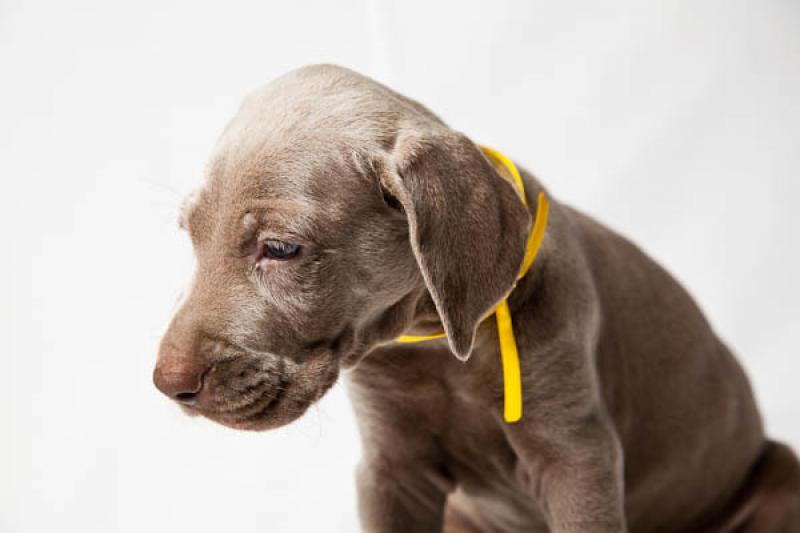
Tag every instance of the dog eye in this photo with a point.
(279, 250)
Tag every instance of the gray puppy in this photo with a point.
(338, 215)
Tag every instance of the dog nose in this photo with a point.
(180, 379)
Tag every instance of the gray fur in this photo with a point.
(636, 416)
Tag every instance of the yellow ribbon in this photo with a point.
(505, 330)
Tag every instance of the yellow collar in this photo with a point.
(505, 331)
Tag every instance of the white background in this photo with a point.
(678, 123)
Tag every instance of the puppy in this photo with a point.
(339, 215)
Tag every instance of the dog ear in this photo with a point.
(467, 226)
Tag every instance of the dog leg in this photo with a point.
(771, 502)
(398, 498)
(575, 475)
(457, 522)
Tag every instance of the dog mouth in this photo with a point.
(260, 407)
(252, 407)
(244, 394)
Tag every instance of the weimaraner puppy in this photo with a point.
(338, 215)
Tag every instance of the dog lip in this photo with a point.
(282, 388)
(247, 416)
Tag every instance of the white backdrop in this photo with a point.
(678, 123)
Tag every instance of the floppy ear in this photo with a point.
(467, 225)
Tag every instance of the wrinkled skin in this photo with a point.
(397, 224)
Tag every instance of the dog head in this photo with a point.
(336, 215)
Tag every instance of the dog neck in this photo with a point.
(502, 311)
